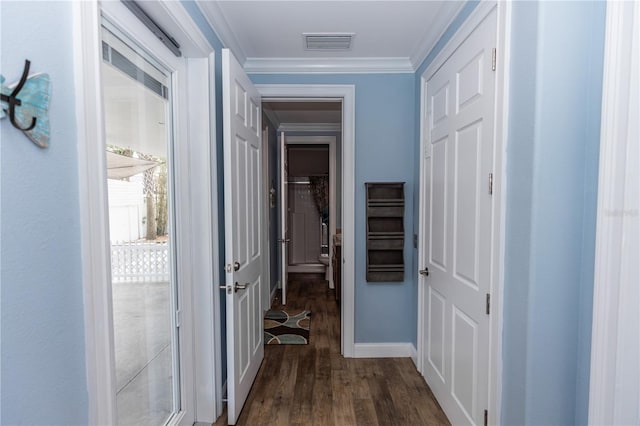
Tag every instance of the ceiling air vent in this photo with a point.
(327, 41)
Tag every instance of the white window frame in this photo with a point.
(195, 161)
(614, 385)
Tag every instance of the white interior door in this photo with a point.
(243, 233)
(284, 213)
(460, 99)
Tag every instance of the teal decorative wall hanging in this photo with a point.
(27, 105)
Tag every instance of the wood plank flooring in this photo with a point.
(314, 385)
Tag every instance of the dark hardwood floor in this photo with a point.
(314, 385)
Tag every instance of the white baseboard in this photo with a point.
(384, 350)
(308, 268)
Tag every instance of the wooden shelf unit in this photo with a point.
(385, 231)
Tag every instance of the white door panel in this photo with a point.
(243, 231)
(460, 100)
(284, 222)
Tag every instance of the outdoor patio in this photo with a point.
(142, 330)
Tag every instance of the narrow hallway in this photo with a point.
(314, 385)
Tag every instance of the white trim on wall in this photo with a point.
(615, 347)
(266, 208)
(499, 216)
(499, 189)
(212, 12)
(309, 127)
(207, 324)
(347, 94)
(448, 11)
(384, 350)
(328, 66)
(101, 381)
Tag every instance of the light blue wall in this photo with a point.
(43, 349)
(385, 131)
(552, 162)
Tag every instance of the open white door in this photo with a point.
(456, 229)
(284, 213)
(243, 233)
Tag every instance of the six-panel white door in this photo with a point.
(243, 248)
(460, 100)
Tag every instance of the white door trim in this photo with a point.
(205, 253)
(266, 205)
(101, 387)
(614, 385)
(93, 208)
(499, 189)
(331, 141)
(347, 94)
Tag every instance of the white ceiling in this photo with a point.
(390, 35)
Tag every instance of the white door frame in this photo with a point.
(347, 94)
(197, 161)
(614, 385)
(499, 189)
(266, 205)
(283, 231)
(331, 142)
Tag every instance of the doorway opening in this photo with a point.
(303, 144)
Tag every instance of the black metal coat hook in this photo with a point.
(13, 101)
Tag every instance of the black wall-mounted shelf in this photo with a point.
(385, 232)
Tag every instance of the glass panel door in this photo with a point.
(137, 108)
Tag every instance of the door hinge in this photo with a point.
(178, 318)
(488, 307)
(486, 417)
(490, 183)
(493, 59)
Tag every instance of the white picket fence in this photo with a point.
(139, 262)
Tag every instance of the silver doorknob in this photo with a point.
(424, 272)
(236, 266)
(237, 286)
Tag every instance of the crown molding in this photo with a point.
(193, 42)
(449, 11)
(213, 14)
(310, 127)
(328, 66)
